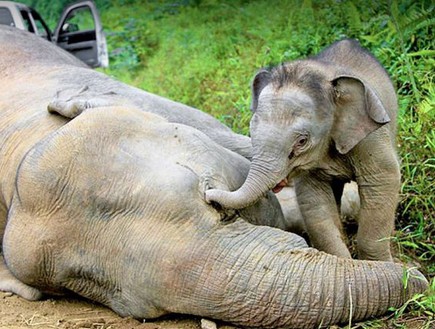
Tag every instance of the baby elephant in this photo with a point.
(324, 121)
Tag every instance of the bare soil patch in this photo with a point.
(73, 313)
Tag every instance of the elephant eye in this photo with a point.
(301, 141)
(298, 146)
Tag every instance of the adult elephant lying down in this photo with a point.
(110, 205)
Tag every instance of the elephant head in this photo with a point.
(137, 236)
(301, 111)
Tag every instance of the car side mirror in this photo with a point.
(69, 27)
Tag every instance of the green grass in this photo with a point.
(205, 53)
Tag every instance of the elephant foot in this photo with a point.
(73, 104)
(326, 236)
(9, 283)
(371, 249)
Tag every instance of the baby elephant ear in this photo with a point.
(359, 111)
(261, 79)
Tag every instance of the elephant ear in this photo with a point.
(359, 111)
(261, 80)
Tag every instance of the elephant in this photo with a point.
(110, 206)
(324, 121)
(97, 88)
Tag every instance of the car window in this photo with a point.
(42, 28)
(6, 17)
(27, 22)
(79, 20)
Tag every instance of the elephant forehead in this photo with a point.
(285, 107)
(286, 99)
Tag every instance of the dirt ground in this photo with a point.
(73, 313)
(70, 313)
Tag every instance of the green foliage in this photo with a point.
(51, 10)
(82, 19)
(422, 306)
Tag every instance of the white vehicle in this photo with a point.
(78, 31)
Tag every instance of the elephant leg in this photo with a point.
(378, 177)
(379, 194)
(320, 212)
(70, 105)
(9, 283)
(293, 220)
(16, 254)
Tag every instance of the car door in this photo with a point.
(80, 32)
(40, 27)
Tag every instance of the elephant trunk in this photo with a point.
(261, 178)
(256, 277)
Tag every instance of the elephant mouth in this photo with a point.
(278, 187)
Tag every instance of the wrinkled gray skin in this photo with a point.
(293, 219)
(110, 206)
(95, 90)
(89, 88)
(327, 120)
